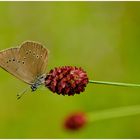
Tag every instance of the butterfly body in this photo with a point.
(27, 62)
(39, 81)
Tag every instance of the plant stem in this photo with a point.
(114, 113)
(114, 83)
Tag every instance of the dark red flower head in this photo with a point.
(75, 121)
(66, 80)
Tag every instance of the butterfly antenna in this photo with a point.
(19, 95)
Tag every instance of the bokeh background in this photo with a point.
(101, 37)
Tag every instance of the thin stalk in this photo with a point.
(114, 113)
(114, 83)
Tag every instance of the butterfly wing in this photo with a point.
(23, 65)
(35, 57)
(10, 62)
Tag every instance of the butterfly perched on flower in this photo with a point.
(27, 62)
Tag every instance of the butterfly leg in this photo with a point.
(19, 95)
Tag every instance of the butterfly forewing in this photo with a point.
(27, 62)
(43, 58)
(35, 58)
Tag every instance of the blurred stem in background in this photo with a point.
(78, 120)
(113, 113)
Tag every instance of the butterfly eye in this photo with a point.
(26, 52)
(37, 56)
(30, 51)
(23, 62)
(13, 59)
(40, 55)
(18, 61)
(9, 60)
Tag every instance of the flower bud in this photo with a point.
(75, 121)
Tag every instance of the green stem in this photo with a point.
(114, 113)
(114, 83)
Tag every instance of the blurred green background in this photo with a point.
(101, 37)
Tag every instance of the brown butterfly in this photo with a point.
(27, 62)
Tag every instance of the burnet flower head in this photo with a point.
(71, 80)
(66, 80)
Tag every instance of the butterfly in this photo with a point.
(27, 62)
